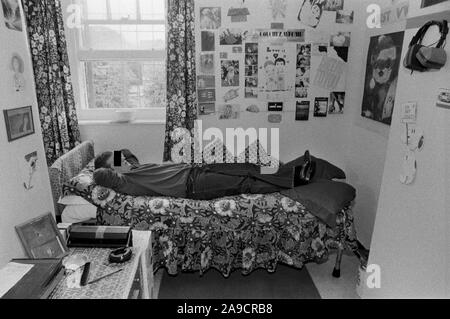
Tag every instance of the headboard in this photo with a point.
(68, 166)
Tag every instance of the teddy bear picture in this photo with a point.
(382, 68)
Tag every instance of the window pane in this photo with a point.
(124, 37)
(152, 9)
(123, 9)
(95, 9)
(126, 84)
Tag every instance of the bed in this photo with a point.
(245, 232)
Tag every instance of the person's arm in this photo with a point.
(108, 178)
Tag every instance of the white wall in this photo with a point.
(16, 204)
(410, 238)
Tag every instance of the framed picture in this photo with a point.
(11, 12)
(41, 238)
(19, 122)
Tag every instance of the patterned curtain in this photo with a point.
(181, 86)
(45, 26)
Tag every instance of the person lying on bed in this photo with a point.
(194, 182)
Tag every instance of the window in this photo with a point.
(119, 52)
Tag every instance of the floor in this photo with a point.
(328, 286)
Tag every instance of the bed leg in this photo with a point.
(337, 266)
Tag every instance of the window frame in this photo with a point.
(78, 56)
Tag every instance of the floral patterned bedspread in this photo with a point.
(244, 232)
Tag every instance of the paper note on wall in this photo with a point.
(329, 73)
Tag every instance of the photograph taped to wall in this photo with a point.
(319, 49)
(345, 16)
(31, 161)
(18, 68)
(302, 110)
(443, 99)
(251, 48)
(236, 50)
(228, 112)
(229, 72)
(383, 63)
(311, 12)
(251, 93)
(333, 5)
(206, 81)
(210, 18)
(337, 103)
(206, 108)
(207, 63)
(320, 107)
(230, 36)
(340, 39)
(208, 41)
(224, 55)
(11, 12)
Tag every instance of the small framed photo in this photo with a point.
(41, 238)
(19, 122)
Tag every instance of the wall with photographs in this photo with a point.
(270, 64)
(25, 187)
(410, 238)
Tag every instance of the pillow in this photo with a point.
(324, 169)
(78, 213)
(323, 198)
(72, 200)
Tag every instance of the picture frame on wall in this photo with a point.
(41, 238)
(19, 122)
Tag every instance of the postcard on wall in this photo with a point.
(206, 95)
(229, 72)
(321, 107)
(275, 106)
(336, 103)
(230, 37)
(206, 109)
(210, 18)
(333, 5)
(228, 112)
(443, 99)
(329, 73)
(206, 81)
(11, 12)
(207, 63)
(208, 41)
(302, 110)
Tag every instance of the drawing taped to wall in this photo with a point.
(228, 112)
(210, 18)
(382, 69)
(336, 103)
(231, 37)
(207, 63)
(11, 12)
(320, 107)
(302, 110)
(311, 12)
(208, 41)
(229, 72)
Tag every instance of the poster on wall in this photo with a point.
(311, 12)
(382, 69)
(11, 12)
(210, 18)
(428, 3)
(273, 77)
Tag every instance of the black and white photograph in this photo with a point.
(229, 72)
(320, 107)
(19, 122)
(210, 17)
(302, 110)
(382, 69)
(12, 15)
(203, 152)
(208, 41)
(230, 36)
(336, 103)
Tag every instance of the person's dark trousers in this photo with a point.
(219, 180)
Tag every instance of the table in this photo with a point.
(135, 281)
